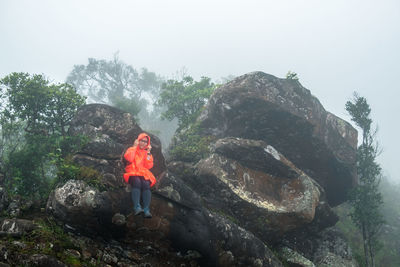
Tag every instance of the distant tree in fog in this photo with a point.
(366, 200)
(115, 83)
(185, 98)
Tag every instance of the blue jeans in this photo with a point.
(140, 186)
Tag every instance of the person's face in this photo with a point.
(143, 143)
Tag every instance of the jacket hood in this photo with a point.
(144, 135)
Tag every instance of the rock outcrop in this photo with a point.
(16, 227)
(278, 162)
(285, 115)
(110, 132)
(255, 184)
(326, 248)
(178, 212)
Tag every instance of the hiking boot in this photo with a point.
(137, 211)
(147, 213)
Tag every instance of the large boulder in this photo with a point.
(237, 246)
(225, 210)
(284, 114)
(110, 132)
(256, 185)
(178, 211)
(16, 227)
(82, 206)
(91, 203)
(326, 248)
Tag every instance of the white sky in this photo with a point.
(336, 47)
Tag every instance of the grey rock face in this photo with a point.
(237, 246)
(270, 202)
(228, 208)
(326, 248)
(110, 132)
(44, 260)
(14, 208)
(3, 199)
(294, 258)
(16, 227)
(285, 115)
(81, 205)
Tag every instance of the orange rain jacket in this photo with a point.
(139, 162)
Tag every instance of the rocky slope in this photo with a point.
(261, 197)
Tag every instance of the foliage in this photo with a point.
(190, 145)
(34, 120)
(389, 237)
(366, 199)
(184, 99)
(46, 109)
(26, 172)
(116, 83)
(68, 170)
(290, 75)
(49, 239)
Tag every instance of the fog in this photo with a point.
(335, 47)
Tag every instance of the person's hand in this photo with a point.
(136, 143)
(148, 149)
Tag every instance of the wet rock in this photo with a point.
(270, 202)
(16, 227)
(73, 253)
(110, 132)
(118, 219)
(285, 115)
(3, 253)
(81, 205)
(325, 248)
(109, 258)
(237, 246)
(14, 209)
(294, 258)
(3, 199)
(19, 244)
(226, 210)
(42, 260)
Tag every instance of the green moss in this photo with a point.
(91, 177)
(72, 261)
(69, 170)
(48, 238)
(225, 215)
(49, 232)
(280, 257)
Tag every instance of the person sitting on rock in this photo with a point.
(137, 173)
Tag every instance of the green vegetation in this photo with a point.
(290, 75)
(185, 99)
(68, 170)
(115, 83)
(190, 145)
(365, 199)
(388, 237)
(34, 119)
(48, 238)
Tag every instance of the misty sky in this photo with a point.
(336, 47)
